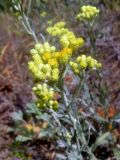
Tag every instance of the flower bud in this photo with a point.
(51, 102)
(83, 64)
(38, 46)
(53, 63)
(48, 48)
(39, 87)
(88, 59)
(33, 51)
(99, 65)
(46, 56)
(53, 49)
(78, 59)
(55, 105)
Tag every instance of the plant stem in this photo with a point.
(92, 40)
(78, 89)
(28, 28)
(29, 7)
(84, 141)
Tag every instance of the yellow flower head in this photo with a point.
(33, 51)
(45, 96)
(55, 74)
(69, 40)
(41, 48)
(43, 61)
(53, 104)
(58, 29)
(64, 55)
(53, 63)
(60, 24)
(82, 62)
(37, 59)
(56, 55)
(32, 66)
(66, 51)
(64, 41)
(88, 13)
(46, 56)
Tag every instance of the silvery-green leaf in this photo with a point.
(31, 108)
(60, 157)
(73, 155)
(117, 120)
(100, 140)
(17, 116)
(117, 153)
(43, 133)
(49, 132)
(45, 117)
(22, 138)
(10, 129)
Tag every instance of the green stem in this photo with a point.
(29, 7)
(92, 40)
(28, 28)
(78, 89)
(84, 141)
(60, 82)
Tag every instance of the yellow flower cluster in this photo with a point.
(58, 29)
(64, 55)
(43, 65)
(46, 61)
(42, 48)
(88, 13)
(82, 62)
(45, 97)
(67, 38)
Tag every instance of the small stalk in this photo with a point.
(28, 28)
(78, 89)
(92, 40)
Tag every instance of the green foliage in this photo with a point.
(5, 4)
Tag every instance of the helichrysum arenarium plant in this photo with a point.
(55, 104)
(88, 15)
(49, 67)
